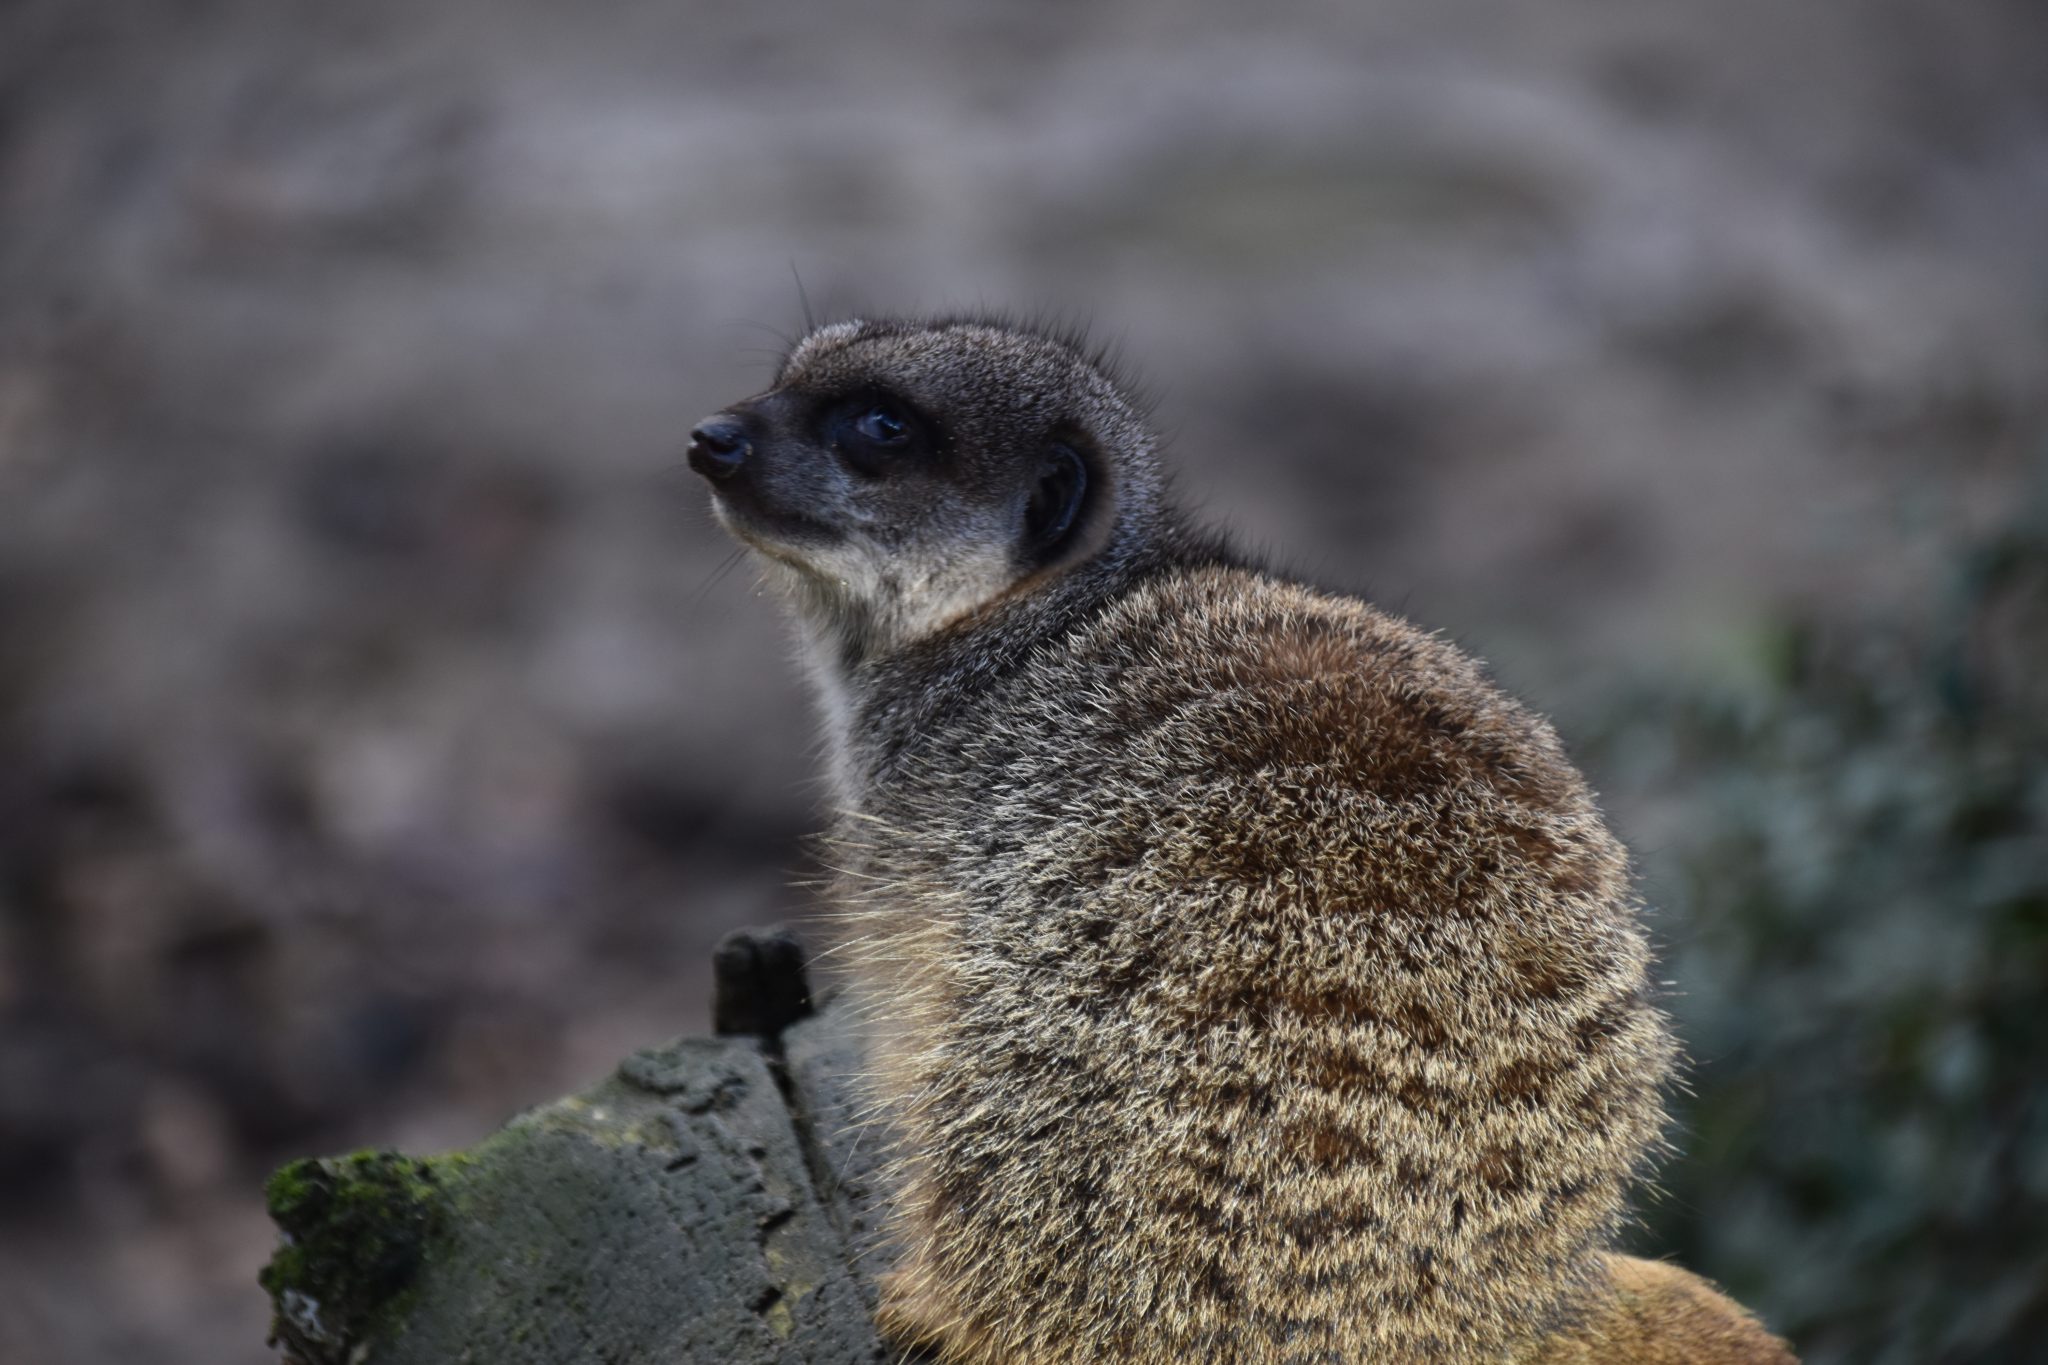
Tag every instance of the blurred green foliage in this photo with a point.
(1854, 906)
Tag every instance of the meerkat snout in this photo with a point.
(718, 447)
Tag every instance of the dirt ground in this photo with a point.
(384, 735)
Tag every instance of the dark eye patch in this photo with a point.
(875, 432)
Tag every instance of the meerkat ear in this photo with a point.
(1056, 500)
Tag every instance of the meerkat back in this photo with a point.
(1248, 979)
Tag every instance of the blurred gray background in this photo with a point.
(382, 746)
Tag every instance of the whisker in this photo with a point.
(718, 575)
(803, 298)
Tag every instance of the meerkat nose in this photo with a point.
(718, 447)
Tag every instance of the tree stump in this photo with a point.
(710, 1201)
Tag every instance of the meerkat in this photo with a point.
(1248, 979)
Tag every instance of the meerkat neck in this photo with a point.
(875, 706)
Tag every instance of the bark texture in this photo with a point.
(708, 1202)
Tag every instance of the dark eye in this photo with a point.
(882, 425)
(875, 435)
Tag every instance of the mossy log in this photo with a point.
(710, 1201)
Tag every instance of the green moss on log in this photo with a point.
(666, 1216)
(356, 1230)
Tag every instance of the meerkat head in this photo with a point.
(899, 476)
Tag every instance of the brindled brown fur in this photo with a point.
(1249, 979)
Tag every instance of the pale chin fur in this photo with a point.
(855, 608)
(848, 608)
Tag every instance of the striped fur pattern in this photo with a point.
(1249, 979)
